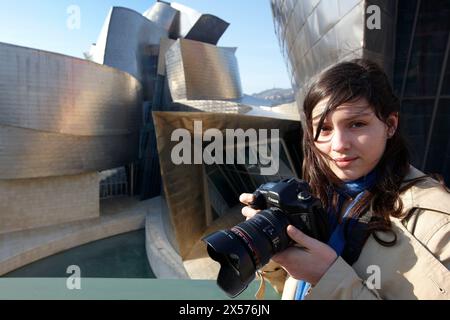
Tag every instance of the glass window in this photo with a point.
(222, 185)
(430, 41)
(438, 160)
(293, 141)
(446, 84)
(230, 180)
(405, 21)
(415, 122)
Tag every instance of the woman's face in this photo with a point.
(353, 137)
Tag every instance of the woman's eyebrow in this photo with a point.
(358, 115)
(316, 120)
(353, 116)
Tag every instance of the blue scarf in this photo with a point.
(350, 190)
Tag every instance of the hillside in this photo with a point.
(276, 96)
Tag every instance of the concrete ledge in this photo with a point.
(117, 216)
(165, 262)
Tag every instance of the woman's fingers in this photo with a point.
(246, 198)
(301, 238)
(249, 212)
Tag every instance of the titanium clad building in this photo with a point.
(409, 38)
(61, 115)
(62, 119)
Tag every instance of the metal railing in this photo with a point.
(113, 183)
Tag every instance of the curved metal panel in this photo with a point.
(163, 15)
(164, 45)
(55, 93)
(200, 71)
(175, 72)
(26, 153)
(201, 27)
(128, 36)
(208, 28)
(318, 33)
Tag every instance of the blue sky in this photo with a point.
(42, 24)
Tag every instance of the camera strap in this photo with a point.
(356, 238)
(347, 240)
(259, 295)
(339, 238)
(350, 236)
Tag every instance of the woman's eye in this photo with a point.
(325, 130)
(357, 124)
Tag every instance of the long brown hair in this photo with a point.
(347, 82)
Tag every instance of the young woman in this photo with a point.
(389, 222)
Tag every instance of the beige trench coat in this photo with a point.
(416, 267)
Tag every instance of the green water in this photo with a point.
(121, 256)
(111, 268)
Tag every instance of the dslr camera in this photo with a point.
(249, 246)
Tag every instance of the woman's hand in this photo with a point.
(308, 260)
(247, 199)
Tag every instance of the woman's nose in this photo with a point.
(340, 141)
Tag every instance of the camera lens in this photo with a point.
(247, 247)
(250, 245)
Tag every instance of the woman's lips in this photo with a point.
(344, 162)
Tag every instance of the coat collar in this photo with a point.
(427, 193)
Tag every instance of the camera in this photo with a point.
(250, 245)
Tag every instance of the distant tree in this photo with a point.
(87, 56)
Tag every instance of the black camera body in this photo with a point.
(294, 199)
(249, 245)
